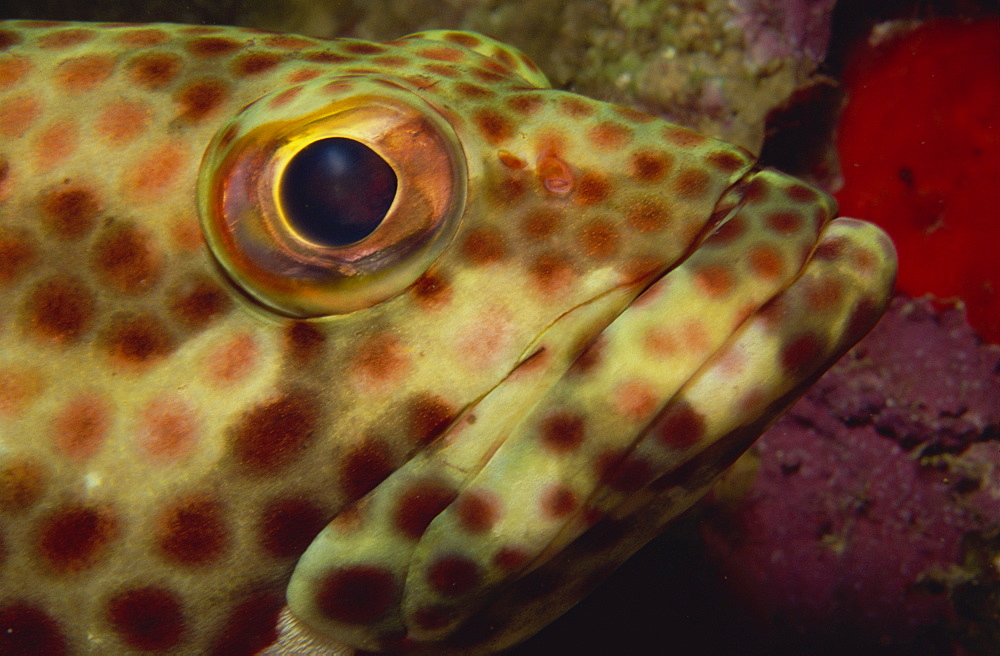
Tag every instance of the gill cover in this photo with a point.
(331, 195)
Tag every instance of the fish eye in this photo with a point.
(336, 191)
(335, 201)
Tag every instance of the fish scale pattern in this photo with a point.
(436, 438)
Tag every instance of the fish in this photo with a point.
(370, 346)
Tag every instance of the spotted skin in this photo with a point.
(573, 317)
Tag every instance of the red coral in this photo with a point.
(919, 144)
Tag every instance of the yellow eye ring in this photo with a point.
(335, 202)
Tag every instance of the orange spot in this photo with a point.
(17, 255)
(524, 104)
(81, 426)
(442, 53)
(255, 63)
(609, 135)
(19, 387)
(123, 120)
(151, 177)
(765, 262)
(493, 125)
(575, 107)
(381, 361)
(692, 183)
(154, 70)
(231, 361)
(694, 336)
(599, 239)
(715, 281)
(143, 38)
(592, 188)
(22, 483)
(84, 73)
(17, 114)
(649, 165)
(128, 259)
(186, 234)
(12, 71)
(660, 342)
(55, 144)
(823, 294)
(483, 246)
(635, 400)
(71, 210)
(645, 215)
(201, 99)
(168, 429)
(66, 38)
(552, 273)
(285, 97)
(540, 223)
(683, 137)
(727, 161)
(59, 310)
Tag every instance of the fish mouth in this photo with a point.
(620, 414)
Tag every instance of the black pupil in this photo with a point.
(336, 191)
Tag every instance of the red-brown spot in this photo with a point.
(714, 281)
(473, 91)
(192, 530)
(255, 63)
(823, 294)
(608, 135)
(785, 223)
(303, 341)
(232, 360)
(201, 99)
(599, 239)
(800, 193)
(692, 183)
(452, 576)
(123, 121)
(55, 144)
(681, 427)
(9, 39)
(801, 354)
(419, 505)
(589, 358)
(251, 626)
(562, 432)
(13, 70)
(558, 501)
(81, 426)
(623, 475)
(17, 255)
(289, 525)
(154, 70)
(22, 483)
(728, 232)
(493, 125)
(477, 510)
(524, 104)
(74, 537)
(60, 309)
(168, 428)
(442, 53)
(67, 38)
(285, 97)
(197, 300)
(683, 137)
(633, 115)
(70, 211)
(484, 246)
(356, 595)
(143, 38)
(212, 46)
(28, 631)
(592, 188)
(540, 223)
(575, 107)
(552, 273)
(152, 175)
(432, 291)
(275, 432)
(645, 215)
(726, 161)
(127, 259)
(429, 416)
(84, 73)
(465, 39)
(18, 114)
(649, 165)
(364, 467)
(509, 190)
(511, 558)
(381, 359)
(147, 618)
(765, 262)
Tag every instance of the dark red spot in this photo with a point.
(784, 223)
(650, 166)
(831, 249)
(477, 511)
(200, 99)
(9, 39)
(509, 190)
(562, 432)
(60, 309)
(212, 46)
(599, 239)
(431, 618)
(75, 537)
(511, 558)
(592, 188)
(681, 427)
(575, 107)
(192, 530)
(275, 432)
(429, 417)
(364, 467)
(647, 216)
(28, 631)
(493, 125)
(589, 358)
(154, 70)
(483, 246)
(692, 183)
(604, 534)
(801, 354)
(255, 63)
(728, 232)
(137, 340)
(726, 161)
(432, 290)
(633, 115)
(452, 576)
(356, 595)
(147, 618)
(70, 211)
(442, 53)
(22, 483)
(540, 223)
(473, 91)
(363, 48)
(628, 475)
(327, 57)
(609, 135)
(552, 272)
(303, 341)
(419, 505)
(683, 137)
(127, 259)
(288, 526)
(66, 38)
(558, 501)
(524, 104)
(463, 39)
(757, 190)
(251, 626)
(801, 193)
(197, 300)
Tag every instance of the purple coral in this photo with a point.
(782, 29)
